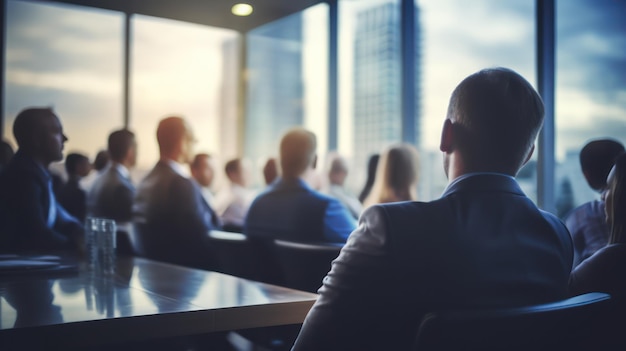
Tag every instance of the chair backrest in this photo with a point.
(305, 264)
(244, 257)
(571, 324)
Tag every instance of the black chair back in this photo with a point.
(244, 257)
(571, 324)
(305, 264)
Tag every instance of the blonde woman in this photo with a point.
(396, 176)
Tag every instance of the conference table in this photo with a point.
(143, 300)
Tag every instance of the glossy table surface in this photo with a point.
(144, 299)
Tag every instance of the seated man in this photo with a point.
(336, 177)
(71, 196)
(171, 216)
(483, 244)
(232, 203)
(31, 218)
(290, 209)
(112, 193)
(587, 223)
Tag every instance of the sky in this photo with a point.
(70, 58)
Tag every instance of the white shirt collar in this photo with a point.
(178, 168)
(122, 170)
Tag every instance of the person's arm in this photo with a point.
(355, 294)
(338, 222)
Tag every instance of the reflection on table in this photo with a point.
(144, 299)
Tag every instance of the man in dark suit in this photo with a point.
(31, 219)
(171, 216)
(482, 244)
(290, 209)
(112, 194)
(70, 195)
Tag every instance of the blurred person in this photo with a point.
(112, 193)
(233, 202)
(604, 271)
(100, 163)
(169, 209)
(270, 171)
(6, 153)
(587, 223)
(372, 164)
(483, 244)
(336, 178)
(203, 172)
(290, 209)
(396, 176)
(31, 218)
(71, 196)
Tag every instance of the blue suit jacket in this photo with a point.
(24, 206)
(291, 210)
(482, 244)
(173, 219)
(111, 196)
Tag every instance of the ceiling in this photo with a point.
(208, 12)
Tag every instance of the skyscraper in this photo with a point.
(377, 81)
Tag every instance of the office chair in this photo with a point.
(572, 324)
(305, 264)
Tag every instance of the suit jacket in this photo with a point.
(24, 209)
(173, 219)
(291, 210)
(111, 196)
(482, 244)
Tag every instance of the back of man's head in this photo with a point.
(232, 168)
(77, 165)
(497, 116)
(119, 144)
(596, 160)
(297, 152)
(338, 170)
(102, 160)
(170, 133)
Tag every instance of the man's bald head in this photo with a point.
(39, 134)
(175, 139)
(297, 152)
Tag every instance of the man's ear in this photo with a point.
(530, 154)
(314, 164)
(447, 136)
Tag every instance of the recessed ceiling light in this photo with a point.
(242, 9)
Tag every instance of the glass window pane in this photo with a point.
(590, 88)
(185, 70)
(68, 58)
(287, 80)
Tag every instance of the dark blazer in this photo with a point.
(24, 207)
(111, 196)
(173, 219)
(482, 244)
(291, 210)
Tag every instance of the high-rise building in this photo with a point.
(377, 81)
(275, 85)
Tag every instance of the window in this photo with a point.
(187, 70)
(287, 80)
(590, 89)
(68, 58)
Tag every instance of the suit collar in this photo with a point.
(27, 161)
(484, 182)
